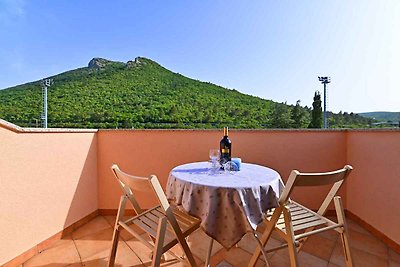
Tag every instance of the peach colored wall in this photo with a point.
(145, 152)
(47, 182)
(52, 179)
(373, 193)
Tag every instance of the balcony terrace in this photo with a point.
(59, 198)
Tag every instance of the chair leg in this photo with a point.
(290, 237)
(264, 238)
(266, 235)
(292, 254)
(207, 263)
(121, 212)
(158, 248)
(181, 238)
(344, 233)
(261, 248)
(187, 251)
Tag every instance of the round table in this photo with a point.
(229, 204)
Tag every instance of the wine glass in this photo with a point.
(214, 156)
(230, 167)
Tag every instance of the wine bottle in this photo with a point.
(225, 147)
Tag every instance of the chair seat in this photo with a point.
(148, 222)
(164, 224)
(302, 218)
(295, 223)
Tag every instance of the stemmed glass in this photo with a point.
(230, 167)
(214, 156)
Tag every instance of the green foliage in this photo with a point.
(348, 120)
(281, 116)
(316, 113)
(142, 94)
(300, 116)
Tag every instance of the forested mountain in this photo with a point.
(143, 94)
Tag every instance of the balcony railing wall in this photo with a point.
(51, 179)
(48, 180)
(373, 192)
(145, 152)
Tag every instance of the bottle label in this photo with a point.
(225, 150)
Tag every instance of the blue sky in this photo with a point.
(271, 49)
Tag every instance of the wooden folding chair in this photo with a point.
(295, 223)
(166, 226)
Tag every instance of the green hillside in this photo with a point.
(382, 115)
(143, 94)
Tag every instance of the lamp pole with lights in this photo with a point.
(324, 81)
(45, 84)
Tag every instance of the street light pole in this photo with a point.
(325, 80)
(45, 84)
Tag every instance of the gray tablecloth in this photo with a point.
(229, 204)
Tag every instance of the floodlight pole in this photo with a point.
(325, 80)
(45, 83)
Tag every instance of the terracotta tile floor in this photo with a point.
(89, 246)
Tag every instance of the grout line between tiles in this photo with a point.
(334, 246)
(260, 258)
(388, 252)
(367, 252)
(111, 227)
(108, 221)
(79, 254)
(125, 241)
(132, 251)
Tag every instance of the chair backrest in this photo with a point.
(132, 184)
(297, 178)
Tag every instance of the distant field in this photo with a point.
(382, 115)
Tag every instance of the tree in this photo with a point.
(281, 116)
(316, 113)
(297, 115)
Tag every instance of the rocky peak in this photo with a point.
(98, 63)
(136, 62)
